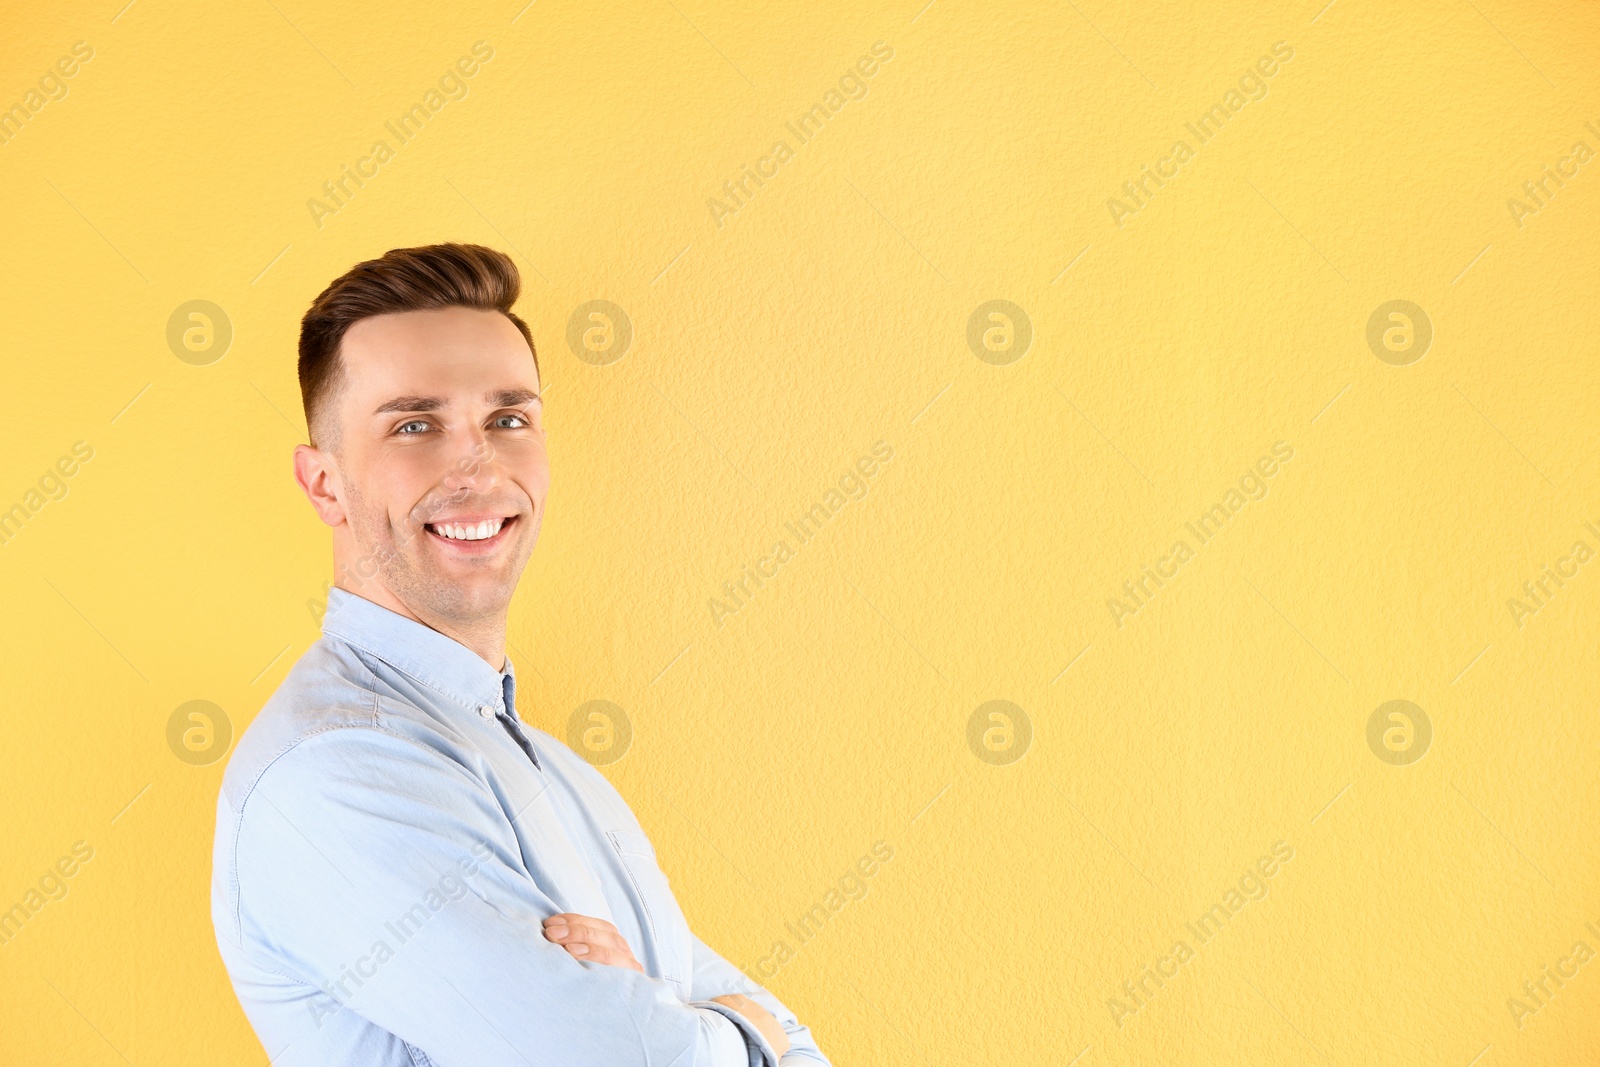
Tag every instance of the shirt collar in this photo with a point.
(439, 662)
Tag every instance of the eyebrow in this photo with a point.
(501, 398)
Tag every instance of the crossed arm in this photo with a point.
(597, 941)
(354, 873)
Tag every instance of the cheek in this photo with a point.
(529, 467)
(372, 522)
(402, 484)
(399, 467)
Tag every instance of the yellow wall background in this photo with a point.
(1173, 345)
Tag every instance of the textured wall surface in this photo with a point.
(1230, 370)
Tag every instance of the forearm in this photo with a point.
(428, 928)
(715, 976)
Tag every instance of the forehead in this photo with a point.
(458, 353)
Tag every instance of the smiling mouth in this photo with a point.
(474, 536)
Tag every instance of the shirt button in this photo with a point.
(486, 711)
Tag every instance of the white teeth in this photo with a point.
(471, 532)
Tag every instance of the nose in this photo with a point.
(473, 466)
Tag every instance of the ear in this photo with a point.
(319, 480)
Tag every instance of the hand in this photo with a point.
(594, 940)
(774, 1033)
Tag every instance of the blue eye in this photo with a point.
(517, 417)
(413, 422)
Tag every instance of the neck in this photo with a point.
(485, 635)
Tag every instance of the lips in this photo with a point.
(472, 536)
(468, 529)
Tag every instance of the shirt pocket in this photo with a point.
(663, 918)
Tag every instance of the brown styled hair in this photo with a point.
(402, 279)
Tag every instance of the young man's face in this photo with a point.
(441, 431)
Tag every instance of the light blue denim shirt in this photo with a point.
(390, 837)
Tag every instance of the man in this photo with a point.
(405, 872)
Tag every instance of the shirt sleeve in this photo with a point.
(727, 1038)
(715, 977)
(383, 875)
